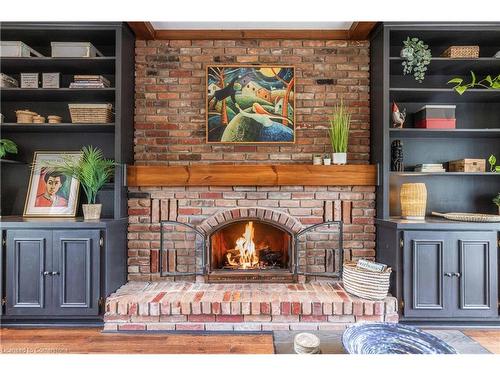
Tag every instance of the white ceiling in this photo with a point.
(251, 25)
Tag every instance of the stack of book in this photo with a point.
(429, 168)
(89, 82)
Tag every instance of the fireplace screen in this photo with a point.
(250, 245)
(251, 250)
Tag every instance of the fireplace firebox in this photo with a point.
(262, 246)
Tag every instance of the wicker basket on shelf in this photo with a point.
(91, 113)
(462, 52)
(364, 283)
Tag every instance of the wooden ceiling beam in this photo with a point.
(361, 30)
(251, 34)
(143, 30)
(358, 31)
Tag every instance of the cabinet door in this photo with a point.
(426, 257)
(476, 276)
(76, 263)
(28, 284)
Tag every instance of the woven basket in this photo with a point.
(364, 283)
(91, 113)
(463, 216)
(25, 116)
(461, 52)
(413, 199)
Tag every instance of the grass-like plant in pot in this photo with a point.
(93, 171)
(340, 123)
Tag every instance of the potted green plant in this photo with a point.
(416, 56)
(7, 147)
(340, 123)
(93, 171)
(496, 200)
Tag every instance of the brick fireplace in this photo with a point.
(253, 244)
(184, 266)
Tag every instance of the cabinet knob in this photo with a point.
(456, 274)
(46, 273)
(55, 273)
(448, 274)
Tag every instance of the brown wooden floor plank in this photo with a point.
(488, 338)
(92, 340)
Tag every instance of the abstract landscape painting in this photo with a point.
(250, 104)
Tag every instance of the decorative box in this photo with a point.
(8, 81)
(51, 80)
(462, 52)
(467, 165)
(436, 117)
(16, 49)
(29, 80)
(74, 49)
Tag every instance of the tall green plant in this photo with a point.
(340, 123)
(92, 170)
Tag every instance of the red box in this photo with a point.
(436, 123)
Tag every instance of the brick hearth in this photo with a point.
(253, 307)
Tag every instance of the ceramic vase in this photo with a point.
(339, 158)
(91, 211)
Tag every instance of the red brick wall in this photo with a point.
(170, 129)
(355, 206)
(170, 98)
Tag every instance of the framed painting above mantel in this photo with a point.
(250, 104)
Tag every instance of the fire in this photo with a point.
(246, 255)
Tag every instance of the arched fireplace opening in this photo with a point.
(250, 245)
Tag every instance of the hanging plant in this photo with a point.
(416, 56)
(487, 83)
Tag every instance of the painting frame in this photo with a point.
(291, 101)
(63, 202)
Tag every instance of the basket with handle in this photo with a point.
(364, 283)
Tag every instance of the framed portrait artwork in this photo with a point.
(51, 193)
(250, 104)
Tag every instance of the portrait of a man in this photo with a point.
(51, 192)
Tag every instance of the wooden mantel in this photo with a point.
(252, 175)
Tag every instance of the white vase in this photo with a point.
(339, 158)
(327, 161)
(91, 211)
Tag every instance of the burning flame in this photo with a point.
(247, 257)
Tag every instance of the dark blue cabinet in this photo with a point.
(28, 264)
(77, 266)
(52, 273)
(60, 270)
(450, 274)
(442, 270)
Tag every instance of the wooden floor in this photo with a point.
(488, 338)
(91, 340)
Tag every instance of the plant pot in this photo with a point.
(327, 161)
(339, 158)
(91, 211)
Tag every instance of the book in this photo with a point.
(371, 266)
(90, 77)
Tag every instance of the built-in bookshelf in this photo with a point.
(477, 133)
(116, 42)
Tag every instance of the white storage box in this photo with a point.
(51, 80)
(16, 49)
(8, 81)
(29, 80)
(74, 49)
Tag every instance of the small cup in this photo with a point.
(317, 160)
